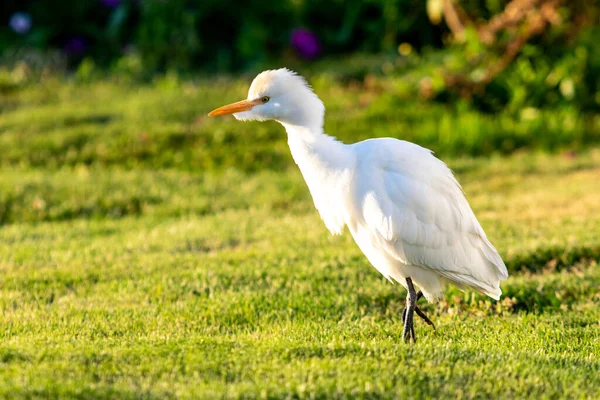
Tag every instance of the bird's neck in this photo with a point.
(316, 152)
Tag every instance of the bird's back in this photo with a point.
(411, 209)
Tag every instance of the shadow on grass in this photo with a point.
(88, 393)
(552, 259)
(17, 208)
(203, 246)
(98, 119)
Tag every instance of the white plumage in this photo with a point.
(402, 205)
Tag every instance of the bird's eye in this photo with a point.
(265, 99)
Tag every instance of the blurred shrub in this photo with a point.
(540, 77)
(522, 53)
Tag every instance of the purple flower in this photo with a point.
(20, 22)
(111, 3)
(305, 43)
(75, 46)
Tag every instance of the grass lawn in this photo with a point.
(149, 252)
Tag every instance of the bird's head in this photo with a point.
(281, 95)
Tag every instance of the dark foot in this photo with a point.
(424, 317)
(409, 334)
(421, 314)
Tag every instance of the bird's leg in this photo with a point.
(411, 302)
(419, 312)
(424, 317)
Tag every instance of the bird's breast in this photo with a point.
(328, 169)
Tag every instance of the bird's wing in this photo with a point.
(416, 210)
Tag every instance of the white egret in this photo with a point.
(403, 206)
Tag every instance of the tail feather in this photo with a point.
(465, 282)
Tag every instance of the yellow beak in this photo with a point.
(244, 105)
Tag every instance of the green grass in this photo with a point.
(149, 252)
